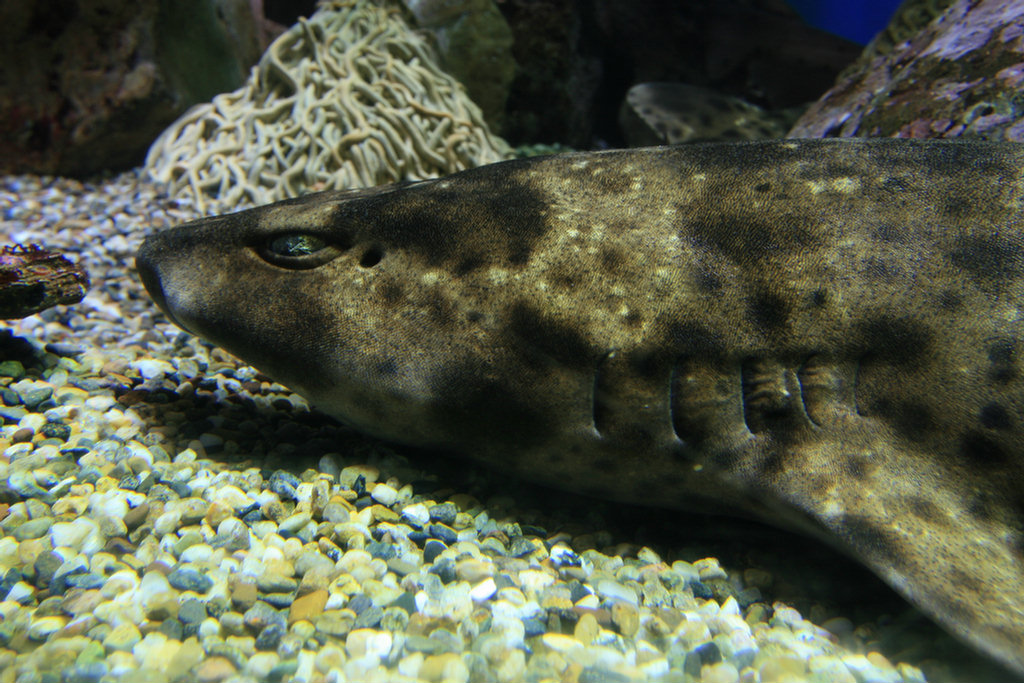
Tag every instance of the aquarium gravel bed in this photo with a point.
(168, 513)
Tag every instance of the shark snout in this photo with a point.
(149, 273)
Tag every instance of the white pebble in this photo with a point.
(367, 641)
(483, 590)
(149, 368)
(384, 494)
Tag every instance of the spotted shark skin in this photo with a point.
(823, 333)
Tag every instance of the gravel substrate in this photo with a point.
(170, 514)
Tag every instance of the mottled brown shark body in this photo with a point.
(823, 333)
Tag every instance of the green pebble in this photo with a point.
(92, 652)
(33, 528)
(12, 368)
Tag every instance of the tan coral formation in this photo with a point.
(350, 97)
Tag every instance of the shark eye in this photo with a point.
(296, 244)
(298, 250)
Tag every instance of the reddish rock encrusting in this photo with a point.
(33, 279)
(960, 77)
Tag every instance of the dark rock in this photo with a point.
(45, 565)
(84, 580)
(283, 484)
(407, 601)
(261, 615)
(432, 549)
(369, 618)
(87, 85)
(192, 611)
(961, 76)
(56, 430)
(270, 637)
(359, 602)
(709, 653)
(444, 513)
(444, 569)
(188, 579)
(382, 551)
(172, 628)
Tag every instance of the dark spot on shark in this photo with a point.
(648, 365)
(768, 310)
(912, 419)
(881, 268)
(968, 582)
(889, 233)
(857, 465)
(773, 463)
(994, 416)
(927, 510)
(519, 253)
(957, 207)
(468, 264)
(611, 260)
(615, 183)
(762, 187)
(1002, 358)
(819, 297)
(895, 185)
(982, 506)
(565, 280)
(391, 292)
(386, 367)
(982, 450)
(949, 300)
(474, 317)
(436, 221)
(484, 409)
(748, 241)
(872, 539)
(690, 338)
(441, 309)
(708, 280)
(545, 338)
(989, 260)
(899, 341)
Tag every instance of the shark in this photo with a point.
(823, 334)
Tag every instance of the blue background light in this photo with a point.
(856, 20)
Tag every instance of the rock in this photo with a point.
(191, 611)
(260, 615)
(308, 606)
(122, 637)
(368, 642)
(215, 669)
(188, 579)
(76, 101)
(42, 627)
(475, 45)
(960, 76)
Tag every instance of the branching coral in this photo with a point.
(348, 98)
